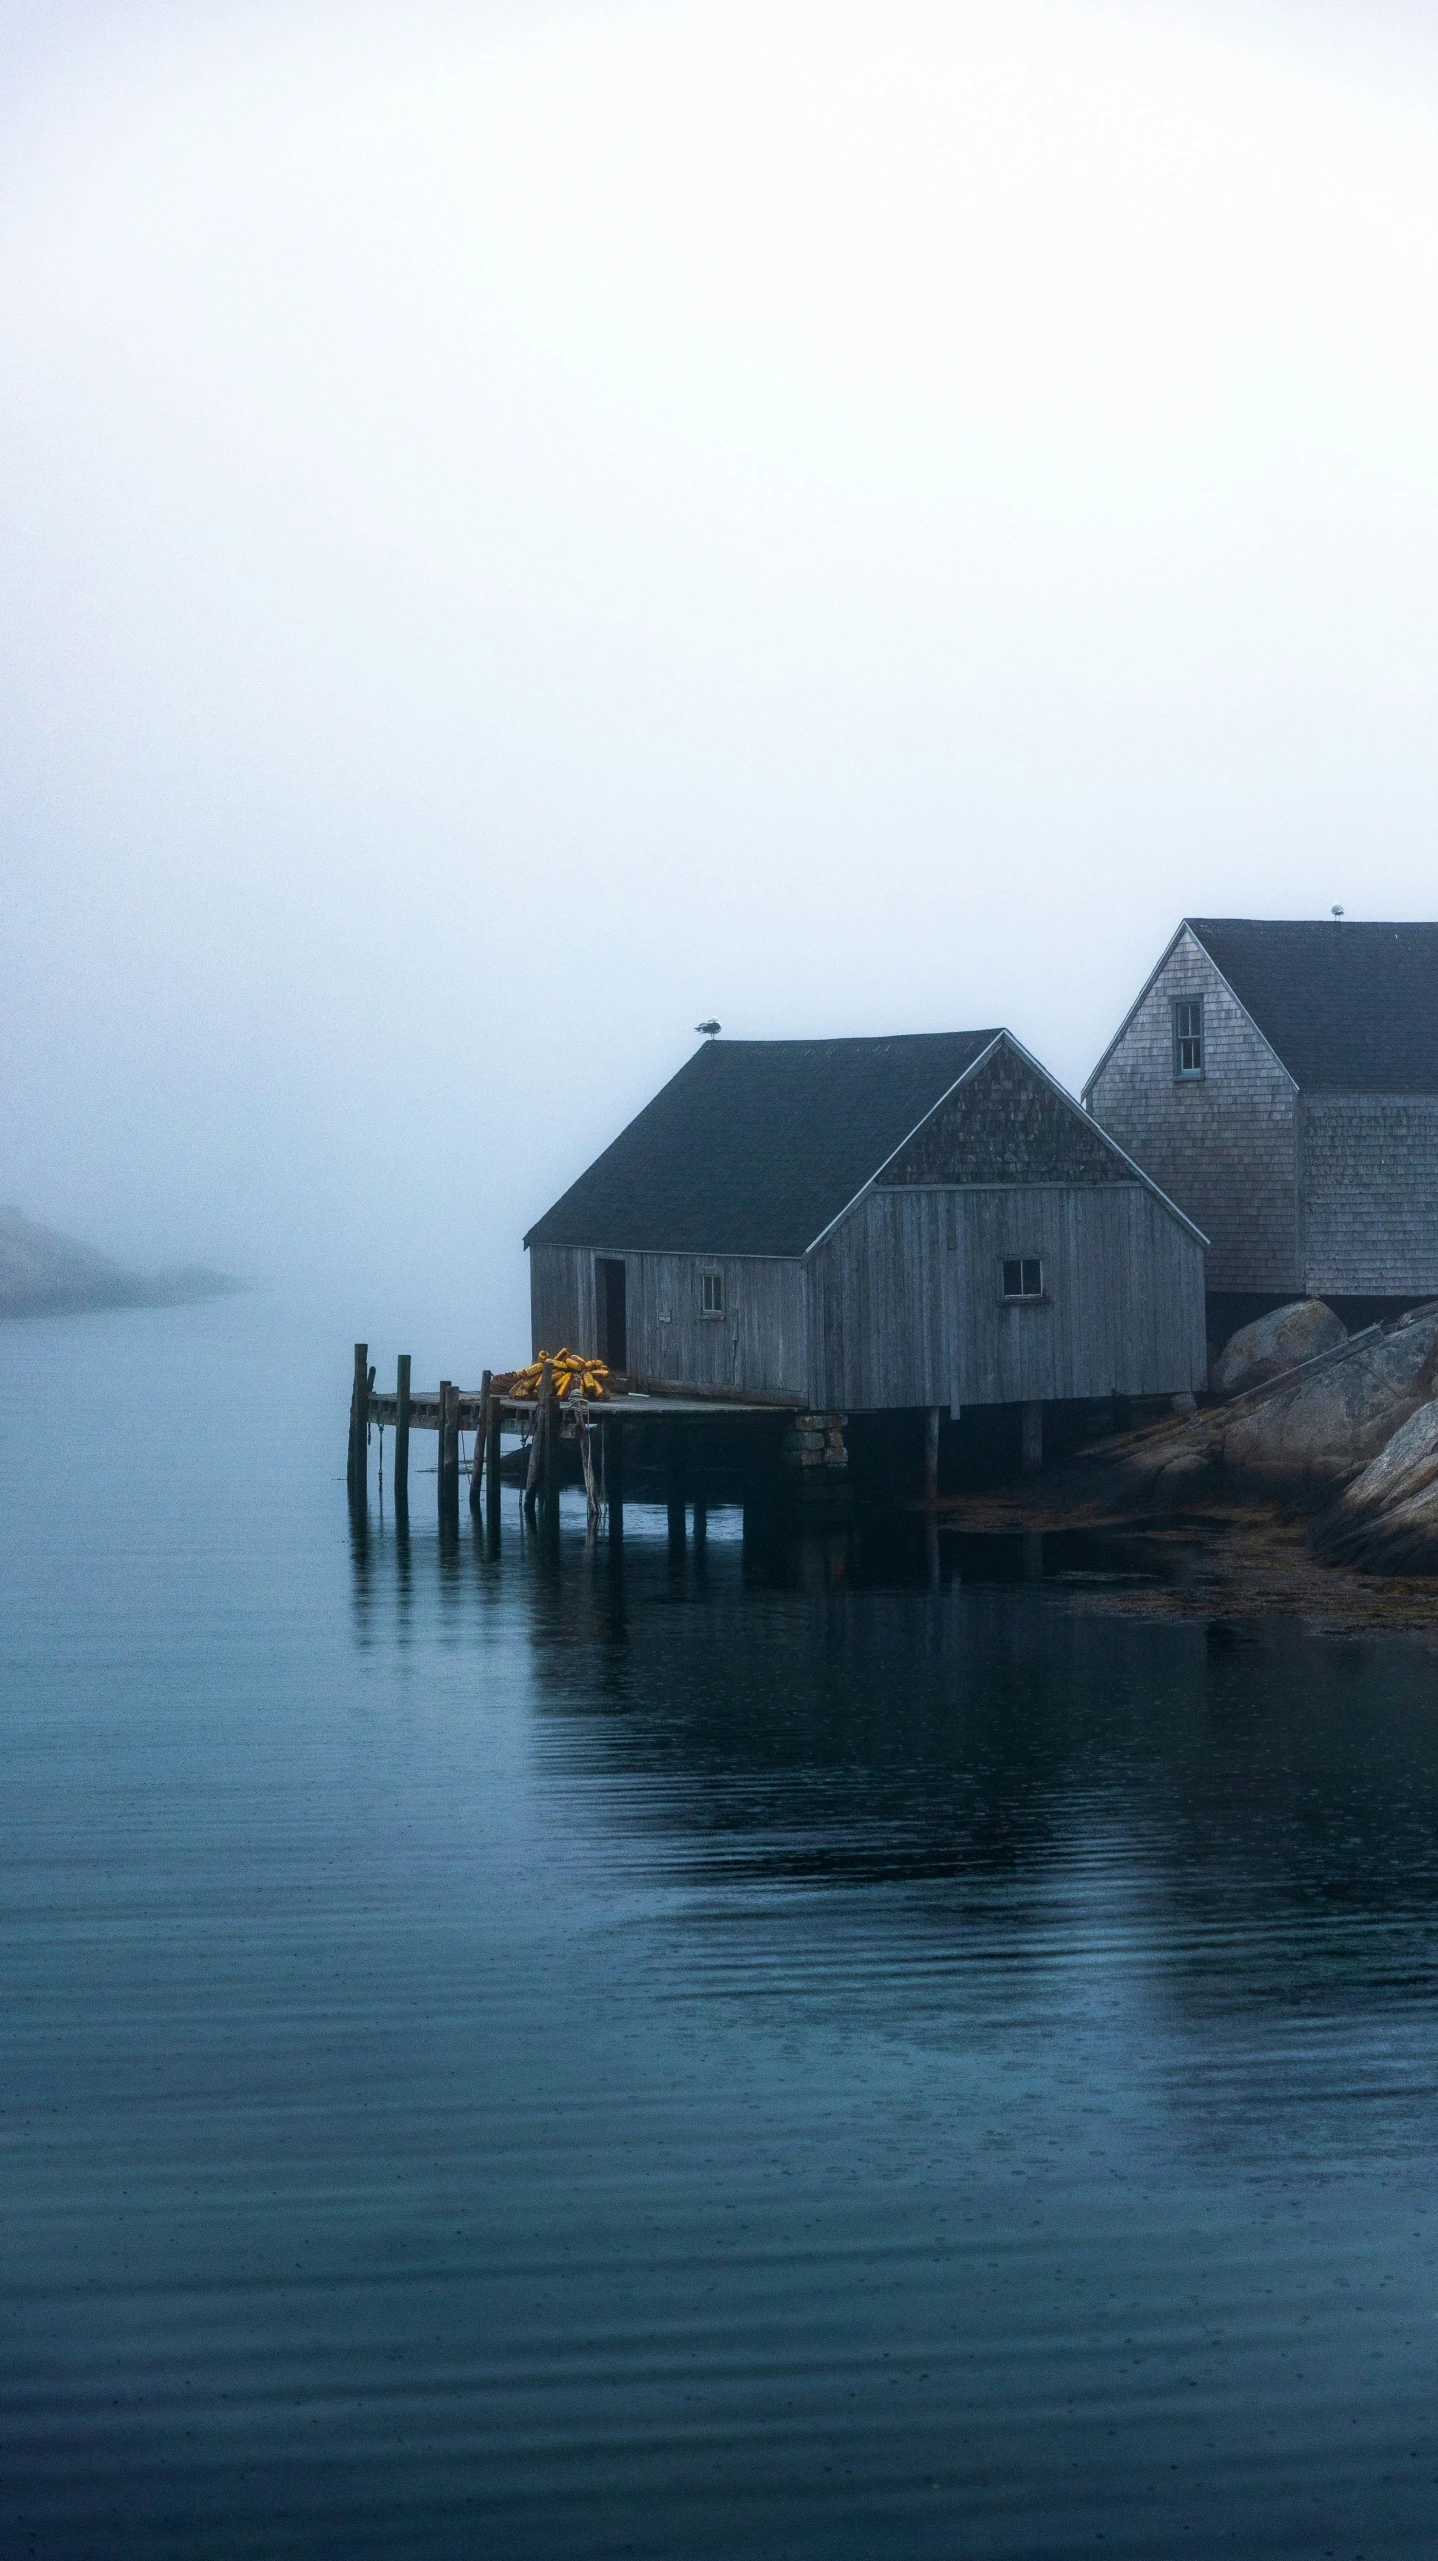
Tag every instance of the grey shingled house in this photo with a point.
(1280, 1080)
(927, 1221)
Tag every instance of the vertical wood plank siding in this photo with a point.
(902, 1305)
(1223, 1145)
(761, 1340)
(561, 1300)
(907, 1305)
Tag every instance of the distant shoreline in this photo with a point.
(46, 1273)
(164, 1289)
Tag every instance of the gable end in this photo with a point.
(1007, 1124)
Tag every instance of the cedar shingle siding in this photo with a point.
(1308, 1149)
(1370, 1195)
(859, 1199)
(1223, 1146)
(1005, 1126)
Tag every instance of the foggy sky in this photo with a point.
(527, 527)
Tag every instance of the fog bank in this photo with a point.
(526, 529)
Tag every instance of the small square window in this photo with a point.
(1023, 1276)
(1188, 1036)
(711, 1293)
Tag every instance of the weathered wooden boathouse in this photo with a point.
(1280, 1080)
(925, 1223)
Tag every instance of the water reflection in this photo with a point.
(838, 1717)
(1205, 1870)
(1225, 1842)
(823, 2051)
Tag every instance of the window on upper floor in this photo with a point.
(1188, 1036)
(1023, 1276)
(711, 1293)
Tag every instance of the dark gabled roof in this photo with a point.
(1348, 1007)
(756, 1146)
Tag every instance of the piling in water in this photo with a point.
(401, 1436)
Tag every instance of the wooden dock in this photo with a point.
(596, 1424)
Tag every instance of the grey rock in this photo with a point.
(1325, 1421)
(1275, 1343)
(1386, 1521)
(1181, 1479)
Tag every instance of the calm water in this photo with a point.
(499, 2061)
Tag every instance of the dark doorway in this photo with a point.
(609, 1309)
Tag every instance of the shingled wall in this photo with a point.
(1006, 1125)
(1223, 1146)
(1370, 1195)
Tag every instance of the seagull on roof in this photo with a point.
(710, 1030)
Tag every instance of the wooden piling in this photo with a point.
(614, 1477)
(448, 1454)
(401, 1436)
(1031, 1453)
(931, 1453)
(491, 1471)
(481, 1439)
(358, 1470)
(451, 1455)
(674, 1455)
(549, 1456)
(538, 1426)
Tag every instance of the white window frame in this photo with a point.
(711, 1298)
(1192, 1006)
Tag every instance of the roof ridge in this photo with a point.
(849, 1040)
(1325, 924)
(754, 1146)
(1347, 1004)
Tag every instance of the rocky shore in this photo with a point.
(1386, 1520)
(1305, 1431)
(1233, 1563)
(1309, 1485)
